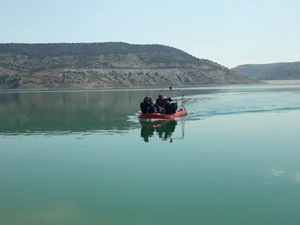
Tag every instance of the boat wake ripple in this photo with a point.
(237, 102)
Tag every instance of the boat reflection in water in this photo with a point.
(163, 128)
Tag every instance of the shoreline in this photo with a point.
(165, 88)
(162, 88)
(281, 81)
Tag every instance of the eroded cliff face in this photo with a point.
(33, 67)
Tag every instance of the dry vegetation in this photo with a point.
(100, 65)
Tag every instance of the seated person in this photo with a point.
(174, 106)
(146, 106)
(151, 103)
(168, 106)
(159, 101)
(159, 104)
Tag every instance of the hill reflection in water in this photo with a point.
(114, 111)
(56, 112)
(67, 112)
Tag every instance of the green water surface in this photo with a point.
(84, 158)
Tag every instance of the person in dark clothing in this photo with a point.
(146, 106)
(168, 106)
(174, 106)
(151, 108)
(151, 103)
(159, 103)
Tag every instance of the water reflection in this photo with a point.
(55, 112)
(61, 112)
(116, 110)
(163, 128)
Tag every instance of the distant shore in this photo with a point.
(281, 81)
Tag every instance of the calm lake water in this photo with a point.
(83, 157)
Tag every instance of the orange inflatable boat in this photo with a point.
(179, 113)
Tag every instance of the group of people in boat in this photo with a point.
(161, 105)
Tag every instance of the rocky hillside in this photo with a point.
(100, 65)
(274, 71)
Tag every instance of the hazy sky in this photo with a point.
(230, 32)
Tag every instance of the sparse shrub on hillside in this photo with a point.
(115, 64)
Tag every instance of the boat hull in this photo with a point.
(179, 113)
